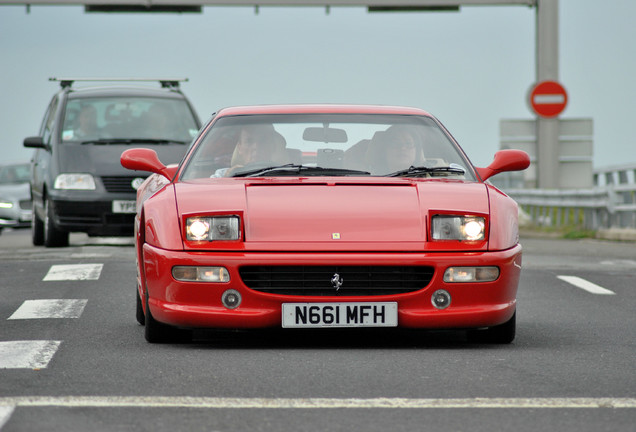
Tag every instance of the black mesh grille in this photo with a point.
(119, 184)
(317, 280)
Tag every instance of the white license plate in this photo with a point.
(124, 206)
(369, 314)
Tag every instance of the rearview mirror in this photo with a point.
(325, 135)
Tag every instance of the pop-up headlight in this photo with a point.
(211, 228)
(462, 228)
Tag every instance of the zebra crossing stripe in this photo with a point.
(5, 414)
(27, 354)
(68, 272)
(53, 308)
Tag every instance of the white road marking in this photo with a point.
(74, 272)
(619, 263)
(311, 403)
(83, 255)
(586, 285)
(5, 414)
(28, 354)
(54, 308)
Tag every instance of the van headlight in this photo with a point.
(211, 228)
(75, 182)
(462, 228)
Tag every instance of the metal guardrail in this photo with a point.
(611, 203)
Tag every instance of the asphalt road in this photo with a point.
(571, 368)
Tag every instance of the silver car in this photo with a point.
(15, 196)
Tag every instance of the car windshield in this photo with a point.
(113, 119)
(15, 174)
(326, 145)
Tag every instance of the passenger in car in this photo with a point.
(86, 123)
(158, 123)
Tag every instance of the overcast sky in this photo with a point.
(470, 68)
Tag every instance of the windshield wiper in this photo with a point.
(294, 169)
(414, 171)
(103, 141)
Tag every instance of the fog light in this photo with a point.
(200, 274)
(471, 274)
(231, 299)
(441, 299)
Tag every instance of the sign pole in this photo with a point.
(547, 46)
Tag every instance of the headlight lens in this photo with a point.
(213, 228)
(6, 204)
(75, 181)
(462, 228)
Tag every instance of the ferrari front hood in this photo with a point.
(324, 213)
(346, 212)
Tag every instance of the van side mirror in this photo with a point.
(34, 142)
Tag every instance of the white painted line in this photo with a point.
(549, 99)
(5, 414)
(586, 285)
(90, 255)
(311, 403)
(29, 354)
(54, 308)
(620, 262)
(74, 272)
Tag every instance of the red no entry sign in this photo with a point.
(548, 99)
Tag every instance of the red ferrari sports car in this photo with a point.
(325, 216)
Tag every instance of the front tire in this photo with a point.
(141, 318)
(156, 332)
(37, 229)
(53, 236)
(500, 334)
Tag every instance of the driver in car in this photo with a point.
(256, 143)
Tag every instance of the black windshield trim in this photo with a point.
(413, 170)
(295, 169)
(104, 141)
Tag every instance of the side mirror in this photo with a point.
(505, 160)
(143, 159)
(34, 142)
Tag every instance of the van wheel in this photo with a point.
(37, 229)
(53, 237)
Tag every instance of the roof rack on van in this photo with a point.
(165, 82)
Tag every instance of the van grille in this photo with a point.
(119, 184)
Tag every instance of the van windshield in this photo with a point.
(110, 119)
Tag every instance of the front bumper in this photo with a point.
(92, 217)
(18, 216)
(198, 305)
